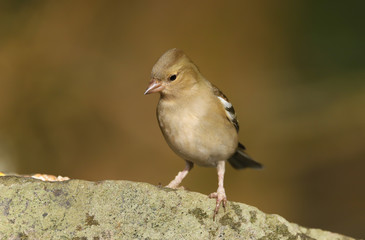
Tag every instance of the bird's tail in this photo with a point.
(241, 160)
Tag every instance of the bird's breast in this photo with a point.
(195, 133)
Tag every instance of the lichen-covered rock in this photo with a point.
(76, 209)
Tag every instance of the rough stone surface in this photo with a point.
(76, 209)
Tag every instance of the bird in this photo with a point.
(197, 120)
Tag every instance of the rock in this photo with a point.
(77, 209)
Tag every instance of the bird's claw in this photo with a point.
(221, 199)
(173, 185)
(177, 187)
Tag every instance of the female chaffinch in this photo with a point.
(197, 120)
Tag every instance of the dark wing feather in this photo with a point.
(228, 107)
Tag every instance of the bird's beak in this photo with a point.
(155, 86)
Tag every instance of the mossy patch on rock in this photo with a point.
(90, 220)
(199, 214)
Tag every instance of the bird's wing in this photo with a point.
(228, 107)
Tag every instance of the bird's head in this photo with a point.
(173, 73)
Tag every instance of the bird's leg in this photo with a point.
(181, 175)
(220, 195)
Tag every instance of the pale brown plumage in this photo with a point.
(197, 120)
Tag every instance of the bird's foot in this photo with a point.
(221, 197)
(174, 185)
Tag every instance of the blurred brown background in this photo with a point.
(73, 73)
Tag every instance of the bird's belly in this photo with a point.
(199, 141)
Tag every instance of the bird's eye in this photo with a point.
(172, 77)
